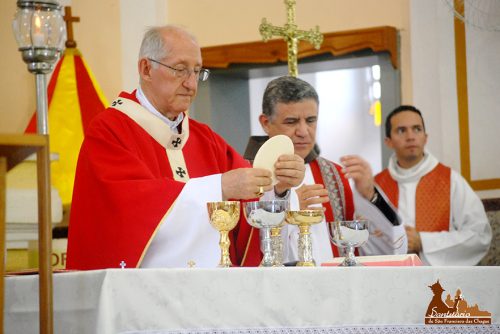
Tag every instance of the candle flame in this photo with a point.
(37, 37)
(38, 23)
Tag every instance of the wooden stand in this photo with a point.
(15, 148)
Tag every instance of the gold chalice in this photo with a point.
(223, 217)
(304, 219)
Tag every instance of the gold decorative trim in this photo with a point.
(463, 105)
(486, 184)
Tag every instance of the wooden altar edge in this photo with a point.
(35, 271)
(378, 39)
(17, 147)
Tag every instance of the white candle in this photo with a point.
(38, 39)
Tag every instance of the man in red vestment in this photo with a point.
(290, 107)
(146, 171)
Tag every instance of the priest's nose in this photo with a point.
(191, 81)
(301, 130)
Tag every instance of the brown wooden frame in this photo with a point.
(463, 106)
(13, 149)
(378, 39)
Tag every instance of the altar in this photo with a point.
(254, 300)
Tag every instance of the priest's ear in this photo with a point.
(388, 142)
(264, 122)
(144, 67)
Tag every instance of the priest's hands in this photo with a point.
(414, 241)
(359, 170)
(245, 183)
(290, 171)
(310, 194)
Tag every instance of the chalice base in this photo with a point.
(225, 264)
(351, 262)
(306, 264)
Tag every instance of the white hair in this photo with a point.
(153, 43)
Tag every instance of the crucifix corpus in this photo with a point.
(292, 35)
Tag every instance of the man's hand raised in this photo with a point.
(310, 194)
(289, 170)
(359, 170)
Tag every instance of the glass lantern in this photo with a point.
(40, 33)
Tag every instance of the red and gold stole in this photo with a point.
(432, 200)
(341, 205)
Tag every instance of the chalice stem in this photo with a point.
(350, 259)
(225, 260)
(277, 246)
(268, 259)
(305, 247)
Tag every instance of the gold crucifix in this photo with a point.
(292, 35)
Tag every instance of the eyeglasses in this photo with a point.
(184, 73)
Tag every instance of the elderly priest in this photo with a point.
(146, 171)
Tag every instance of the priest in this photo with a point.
(146, 171)
(290, 107)
(444, 218)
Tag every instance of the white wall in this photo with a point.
(344, 123)
(434, 88)
(432, 77)
(133, 26)
(483, 71)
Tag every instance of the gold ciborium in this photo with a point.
(223, 217)
(304, 219)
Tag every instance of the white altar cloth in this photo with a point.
(251, 300)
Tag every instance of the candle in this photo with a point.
(37, 37)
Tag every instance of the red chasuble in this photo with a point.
(124, 187)
(341, 203)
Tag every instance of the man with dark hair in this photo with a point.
(396, 111)
(444, 219)
(290, 107)
(146, 171)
